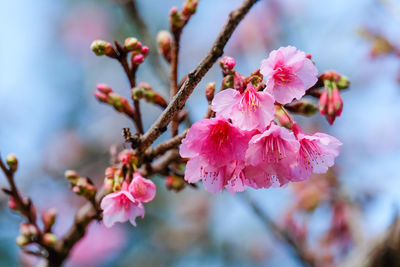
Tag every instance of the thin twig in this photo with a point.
(151, 153)
(196, 75)
(283, 235)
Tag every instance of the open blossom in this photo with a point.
(317, 152)
(216, 150)
(143, 190)
(289, 74)
(126, 204)
(248, 110)
(270, 157)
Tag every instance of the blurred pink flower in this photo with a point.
(270, 157)
(216, 150)
(249, 110)
(121, 206)
(289, 74)
(99, 244)
(317, 152)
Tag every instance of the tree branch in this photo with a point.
(196, 75)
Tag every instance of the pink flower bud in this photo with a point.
(210, 90)
(189, 7)
(138, 59)
(110, 171)
(12, 204)
(145, 50)
(145, 86)
(337, 101)
(176, 18)
(227, 63)
(142, 189)
(309, 56)
(101, 97)
(49, 218)
(104, 88)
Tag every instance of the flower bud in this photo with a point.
(131, 44)
(176, 18)
(330, 102)
(126, 157)
(145, 50)
(12, 162)
(100, 48)
(282, 117)
(210, 90)
(49, 218)
(227, 63)
(12, 204)
(138, 59)
(164, 40)
(22, 240)
(108, 185)
(104, 88)
(303, 107)
(145, 86)
(49, 239)
(343, 83)
(101, 96)
(28, 230)
(71, 175)
(110, 171)
(137, 93)
(189, 7)
(175, 183)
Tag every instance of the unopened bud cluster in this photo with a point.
(106, 95)
(81, 186)
(139, 51)
(330, 102)
(28, 233)
(144, 90)
(103, 48)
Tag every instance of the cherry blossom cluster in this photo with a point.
(243, 145)
(127, 191)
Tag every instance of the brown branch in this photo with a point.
(160, 149)
(280, 233)
(174, 76)
(196, 75)
(160, 166)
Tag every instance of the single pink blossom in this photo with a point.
(121, 206)
(217, 151)
(248, 110)
(143, 190)
(289, 74)
(317, 152)
(270, 157)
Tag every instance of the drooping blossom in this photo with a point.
(317, 152)
(126, 204)
(121, 207)
(289, 74)
(248, 110)
(330, 104)
(270, 157)
(216, 150)
(143, 190)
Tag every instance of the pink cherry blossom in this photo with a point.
(121, 207)
(270, 157)
(317, 152)
(289, 74)
(217, 151)
(248, 110)
(143, 190)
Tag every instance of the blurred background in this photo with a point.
(50, 119)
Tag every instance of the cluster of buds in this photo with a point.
(128, 159)
(139, 51)
(113, 179)
(81, 186)
(28, 234)
(144, 90)
(175, 183)
(106, 95)
(179, 19)
(330, 102)
(164, 41)
(103, 48)
(232, 78)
